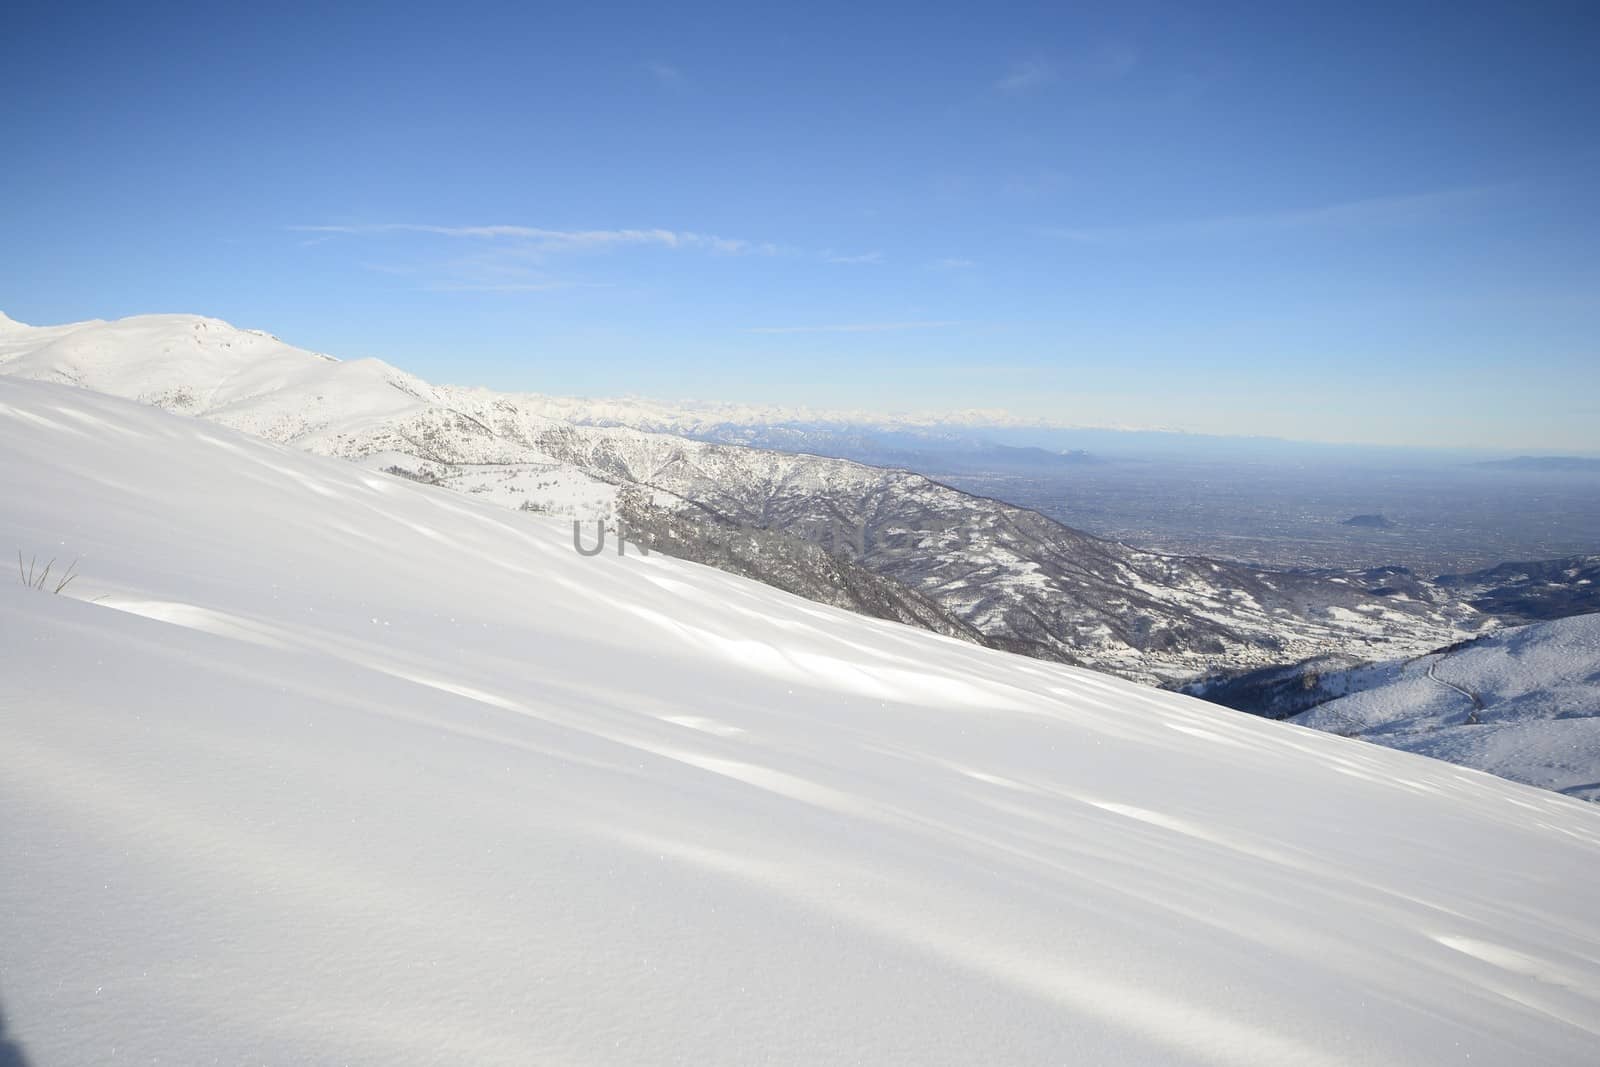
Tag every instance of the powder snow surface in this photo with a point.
(316, 765)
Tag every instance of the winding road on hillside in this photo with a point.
(1477, 701)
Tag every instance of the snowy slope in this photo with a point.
(1523, 703)
(313, 765)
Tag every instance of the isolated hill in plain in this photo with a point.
(1370, 522)
(317, 765)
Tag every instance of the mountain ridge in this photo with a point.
(1021, 580)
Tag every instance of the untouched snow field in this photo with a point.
(315, 765)
(1523, 703)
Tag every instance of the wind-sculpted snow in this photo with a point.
(316, 765)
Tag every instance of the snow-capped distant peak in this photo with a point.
(248, 379)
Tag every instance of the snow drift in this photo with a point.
(315, 765)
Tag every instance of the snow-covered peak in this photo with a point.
(204, 366)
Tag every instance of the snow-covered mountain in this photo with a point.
(959, 562)
(714, 420)
(314, 765)
(368, 411)
(1523, 703)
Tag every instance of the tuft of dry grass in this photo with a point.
(34, 578)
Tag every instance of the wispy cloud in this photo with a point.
(559, 240)
(666, 75)
(500, 287)
(1033, 184)
(1374, 212)
(1107, 59)
(389, 268)
(511, 258)
(1027, 76)
(529, 241)
(867, 257)
(855, 327)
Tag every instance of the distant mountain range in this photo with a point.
(704, 419)
(1544, 463)
(927, 450)
(881, 540)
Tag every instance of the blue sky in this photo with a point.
(1334, 222)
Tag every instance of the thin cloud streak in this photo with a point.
(666, 74)
(503, 287)
(538, 240)
(555, 240)
(503, 253)
(855, 327)
(1027, 76)
(1108, 59)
